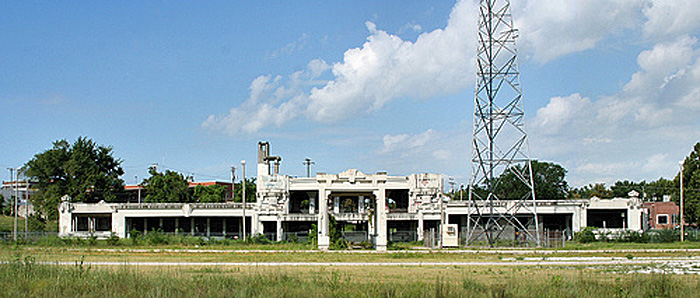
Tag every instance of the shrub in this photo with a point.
(667, 235)
(113, 240)
(259, 239)
(156, 237)
(135, 235)
(585, 236)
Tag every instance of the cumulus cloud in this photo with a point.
(383, 69)
(405, 142)
(628, 134)
(554, 28)
(670, 19)
(559, 112)
(430, 150)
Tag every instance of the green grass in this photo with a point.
(22, 276)
(7, 224)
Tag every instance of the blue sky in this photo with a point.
(611, 90)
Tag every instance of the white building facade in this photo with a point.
(375, 208)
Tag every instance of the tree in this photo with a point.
(84, 171)
(621, 189)
(592, 190)
(549, 179)
(168, 187)
(691, 185)
(210, 194)
(656, 190)
(250, 190)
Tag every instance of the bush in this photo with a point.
(585, 236)
(135, 235)
(259, 239)
(666, 236)
(156, 237)
(113, 240)
(633, 236)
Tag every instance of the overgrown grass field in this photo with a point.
(23, 276)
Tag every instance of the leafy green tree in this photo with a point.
(656, 190)
(250, 190)
(691, 185)
(168, 187)
(84, 171)
(591, 190)
(210, 194)
(621, 189)
(549, 178)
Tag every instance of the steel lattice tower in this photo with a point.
(499, 138)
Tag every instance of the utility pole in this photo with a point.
(12, 175)
(138, 185)
(308, 163)
(26, 207)
(243, 196)
(682, 222)
(233, 183)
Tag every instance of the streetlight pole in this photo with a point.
(26, 206)
(243, 196)
(233, 183)
(682, 221)
(138, 185)
(12, 175)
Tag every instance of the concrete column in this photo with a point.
(223, 226)
(419, 232)
(208, 227)
(324, 240)
(280, 231)
(381, 225)
(256, 225)
(192, 226)
(145, 225)
(117, 228)
(177, 225)
(312, 204)
(336, 205)
(361, 204)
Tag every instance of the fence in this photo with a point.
(25, 236)
(403, 236)
(555, 238)
(295, 236)
(356, 236)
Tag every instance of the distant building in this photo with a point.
(20, 188)
(662, 215)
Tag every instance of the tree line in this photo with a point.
(88, 172)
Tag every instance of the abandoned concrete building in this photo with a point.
(375, 208)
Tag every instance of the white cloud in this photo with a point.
(656, 163)
(554, 28)
(431, 150)
(666, 20)
(559, 112)
(405, 142)
(630, 134)
(383, 69)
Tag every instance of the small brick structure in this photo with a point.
(662, 215)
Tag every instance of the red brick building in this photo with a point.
(662, 215)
